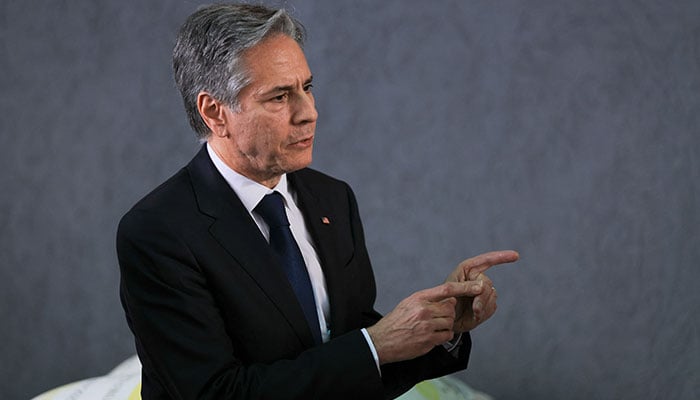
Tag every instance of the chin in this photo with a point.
(296, 165)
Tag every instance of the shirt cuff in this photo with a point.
(453, 345)
(372, 349)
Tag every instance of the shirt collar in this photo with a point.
(249, 191)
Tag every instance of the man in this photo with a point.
(245, 275)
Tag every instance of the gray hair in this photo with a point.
(208, 52)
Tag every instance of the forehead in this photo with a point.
(276, 60)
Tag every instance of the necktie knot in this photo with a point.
(271, 208)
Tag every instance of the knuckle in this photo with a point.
(444, 289)
(423, 314)
(448, 309)
(452, 301)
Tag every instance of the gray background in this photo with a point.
(568, 130)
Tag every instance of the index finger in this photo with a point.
(451, 289)
(482, 262)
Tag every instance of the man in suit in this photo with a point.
(227, 302)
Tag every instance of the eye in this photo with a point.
(280, 98)
(308, 87)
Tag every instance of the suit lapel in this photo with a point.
(234, 229)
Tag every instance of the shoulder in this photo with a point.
(318, 182)
(331, 193)
(174, 192)
(323, 187)
(315, 176)
(164, 207)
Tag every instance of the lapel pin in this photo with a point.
(326, 221)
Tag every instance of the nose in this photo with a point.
(305, 109)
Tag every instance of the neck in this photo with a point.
(270, 183)
(270, 179)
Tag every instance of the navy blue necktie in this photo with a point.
(271, 208)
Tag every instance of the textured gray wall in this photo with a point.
(568, 130)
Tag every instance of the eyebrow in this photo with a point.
(287, 88)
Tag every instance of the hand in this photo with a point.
(472, 311)
(419, 322)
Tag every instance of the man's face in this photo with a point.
(272, 131)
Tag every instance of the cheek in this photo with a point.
(262, 136)
(266, 138)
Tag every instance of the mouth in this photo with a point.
(303, 142)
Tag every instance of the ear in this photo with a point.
(213, 112)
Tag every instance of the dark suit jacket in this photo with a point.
(214, 316)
